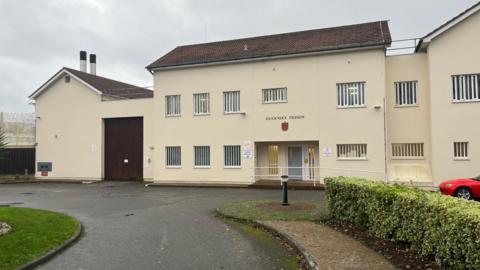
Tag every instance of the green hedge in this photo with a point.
(431, 224)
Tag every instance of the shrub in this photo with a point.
(429, 223)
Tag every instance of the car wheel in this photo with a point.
(463, 193)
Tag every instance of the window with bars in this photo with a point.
(201, 103)
(466, 87)
(460, 150)
(274, 95)
(407, 150)
(172, 105)
(232, 156)
(406, 93)
(351, 151)
(231, 102)
(173, 156)
(202, 156)
(351, 94)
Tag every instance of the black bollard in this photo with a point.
(285, 190)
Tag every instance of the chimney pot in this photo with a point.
(93, 64)
(83, 61)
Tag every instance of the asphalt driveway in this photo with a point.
(129, 226)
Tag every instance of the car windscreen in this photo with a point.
(476, 178)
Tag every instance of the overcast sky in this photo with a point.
(38, 37)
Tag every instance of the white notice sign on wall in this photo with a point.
(327, 152)
(247, 149)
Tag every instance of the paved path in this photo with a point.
(129, 226)
(329, 248)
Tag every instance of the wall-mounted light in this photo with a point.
(377, 107)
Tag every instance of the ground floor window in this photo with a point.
(173, 156)
(231, 154)
(351, 151)
(273, 159)
(407, 150)
(460, 150)
(202, 156)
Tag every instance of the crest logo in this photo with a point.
(285, 126)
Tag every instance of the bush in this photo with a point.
(429, 223)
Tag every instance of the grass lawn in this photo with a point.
(34, 233)
(271, 210)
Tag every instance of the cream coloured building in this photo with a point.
(308, 104)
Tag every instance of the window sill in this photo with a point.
(201, 167)
(352, 159)
(465, 101)
(274, 102)
(352, 107)
(408, 158)
(407, 106)
(173, 167)
(173, 115)
(202, 114)
(461, 159)
(232, 113)
(232, 167)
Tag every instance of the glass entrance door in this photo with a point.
(295, 164)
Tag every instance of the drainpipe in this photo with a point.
(385, 138)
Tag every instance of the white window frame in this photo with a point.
(406, 94)
(466, 88)
(461, 151)
(205, 150)
(274, 95)
(177, 103)
(201, 107)
(232, 153)
(234, 102)
(408, 151)
(351, 95)
(168, 158)
(350, 147)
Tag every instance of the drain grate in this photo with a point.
(26, 193)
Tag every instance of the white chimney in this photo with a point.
(83, 61)
(93, 64)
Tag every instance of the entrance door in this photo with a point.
(295, 163)
(123, 149)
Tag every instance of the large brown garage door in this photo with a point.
(124, 149)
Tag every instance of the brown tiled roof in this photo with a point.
(112, 87)
(327, 39)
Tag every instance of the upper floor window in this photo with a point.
(407, 150)
(231, 102)
(466, 87)
(201, 103)
(173, 156)
(172, 105)
(232, 156)
(202, 156)
(274, 95)
(352, 151)
(351, 94)
(406, 93)
(460, 150)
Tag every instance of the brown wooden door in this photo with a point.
(123, 149)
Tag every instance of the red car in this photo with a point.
(467, 188)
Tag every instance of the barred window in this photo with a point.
(407, 150)
(460, 150)
(173, 156)
(202, 156)
(274, 95)
(231, 156)
(231, 101)
(352, 151)
(172, 105)
(351, 94)
(201, 103)
(466, 87)
(406, 93)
